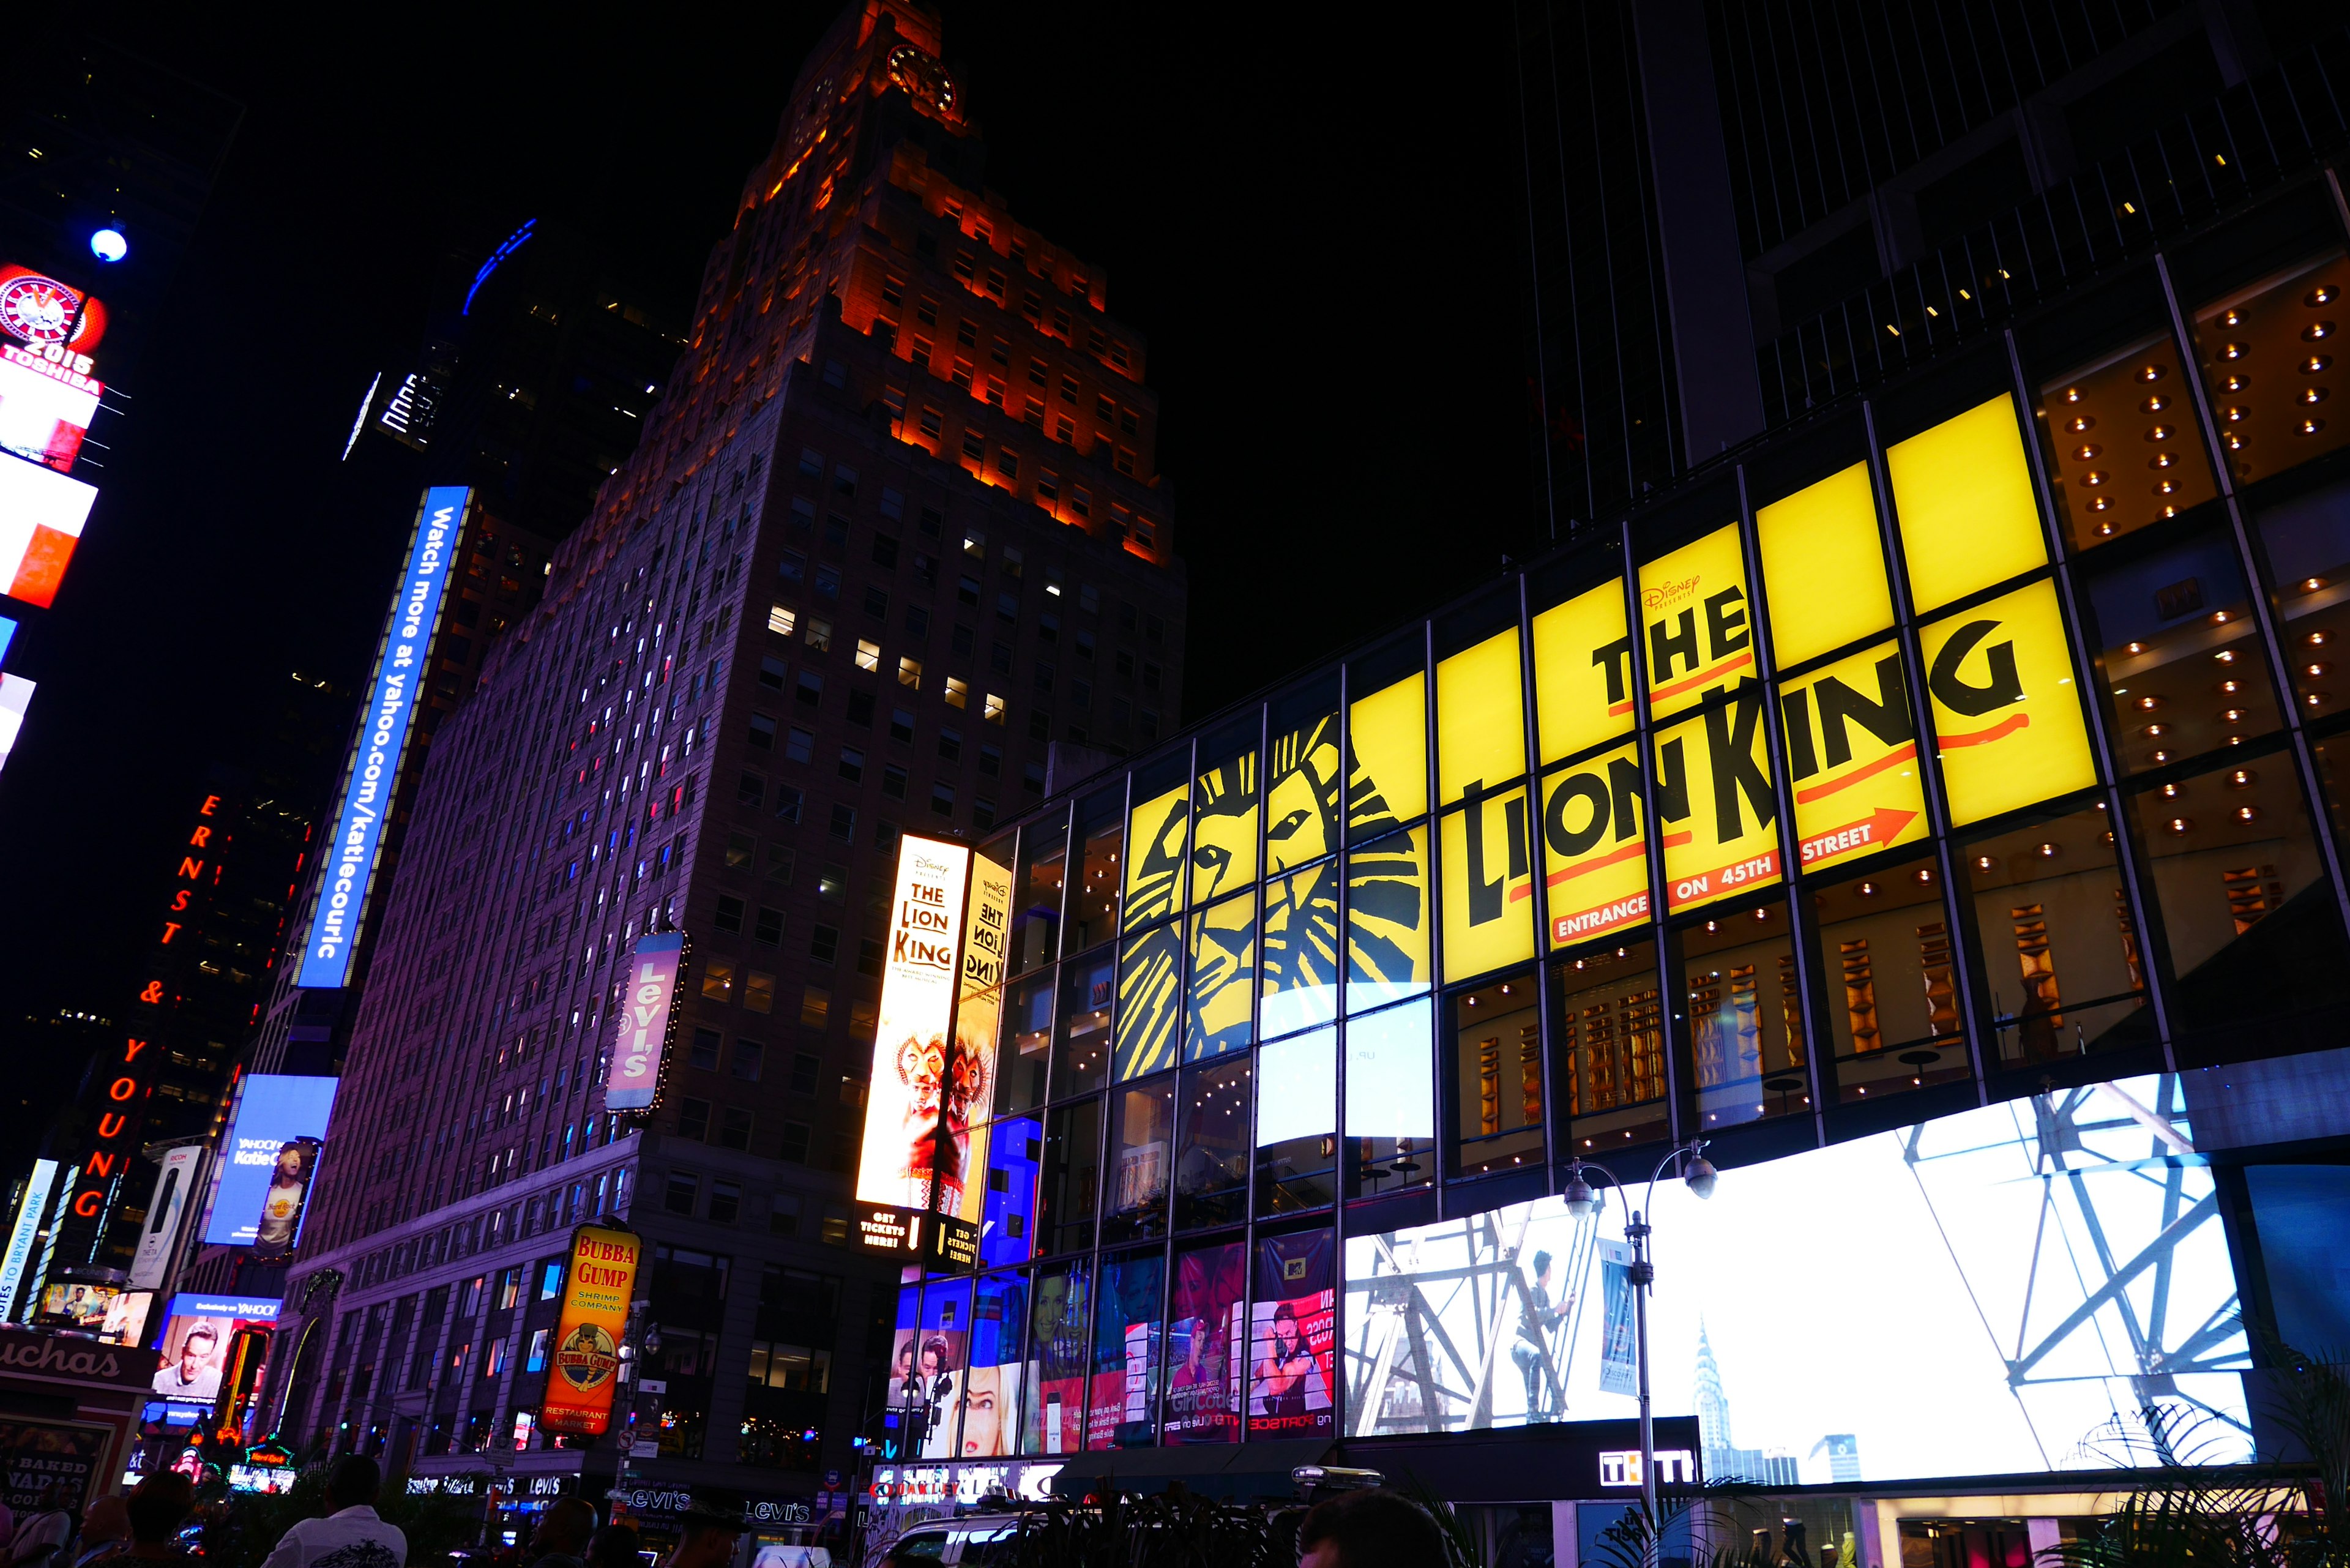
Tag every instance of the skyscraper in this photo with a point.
(892, 551)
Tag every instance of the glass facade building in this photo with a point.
(1966, 750)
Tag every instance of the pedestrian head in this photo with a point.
(354, 1482)
(1369, 1529)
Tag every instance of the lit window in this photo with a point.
(994, 709)
(958, 693)
(782, 621)
(868, 655)
(819, 634)
(909, 672)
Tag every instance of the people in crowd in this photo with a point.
(351, 1535)
(563, 1533)
(1370, 1528)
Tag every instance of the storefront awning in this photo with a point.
(1237, 1471)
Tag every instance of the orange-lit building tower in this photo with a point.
(892, 554)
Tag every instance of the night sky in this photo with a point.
(1316, 230)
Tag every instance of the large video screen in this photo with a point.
(15, 699)
(45, 408)
(41, 517)
(269, 1159)
(2003, 1291)
(192, 1351)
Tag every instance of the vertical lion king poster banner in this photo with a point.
(597, 1290)
(914, 1080)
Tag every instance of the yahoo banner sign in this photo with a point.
(398, 685)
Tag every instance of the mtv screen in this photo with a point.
(2030, 1274)
(41, 516)
(264, 1160)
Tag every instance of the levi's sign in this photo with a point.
(646, 1009)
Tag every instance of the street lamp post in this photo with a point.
(1582, 1202)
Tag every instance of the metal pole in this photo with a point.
(1638, 1230)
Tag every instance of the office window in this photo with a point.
(800, 745)
(679, 1195)
(852, 763)
(762, 735)
(770, 927)
(692, 1118)
(844, 822)
(718, 979)
(728, 914)
(868, 654)
(824, 942)
(741, 850)
(733, 1132)
(725, 1201)
(703, 1051)
(747, 1059)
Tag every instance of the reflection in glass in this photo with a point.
(2308, 540)
(2268, 354)
(1053, 1403)
(1128, 1332)
(2057, 947)
(1611, 1028)
(1387, 954)
(1007, 1228)
(1300, 962)
(1223, 828)
(1036, 894)
(1217, 1017)
(1149, 1001)
(1895, 1017)
(1302, 794)
(1081, 1057)
(1101, 837)
(1746, 1018)
(1296, 1145)
(1206, 1345)
(1391, 1099)
(1496, 1077)
(2248, 916)
(1142, 1127)
(2123, 445)
(1026, 1050)
(1070, 1181)
(1212, 1167)
(2183, 659)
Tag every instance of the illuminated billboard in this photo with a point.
(394, 692)
(15, 697)
(2074, 1247)
(199, 1330)
(167, 1214)
(32, 1210)
(920, 1081)
(274, 1111)
(978, 998)
(647, 1020)
(286, 1200)
(39, 310)
(597, 1290)
(41, 517)
(45, 408)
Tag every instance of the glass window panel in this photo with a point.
(1824, 567)
(1292, 1336)
(1207, 1345)
(1598, 861)
(1714, 799)
(1212, 1167)
(1488, 885)
(1142, 1151)
(1081, 1051)
(1745, 1018)
(2248, 916)
(999, 1321)
(1060, 1320)
(1852, 755)
(1007, 1219)
(1071, 1178)
(1962, 495)
(1154, 863)
(1223, 828)
(1693, 612)
(1481, 718)
(941, 1350)
(2269, 356)
(1149, 1001)
(1300, 960)
(1036, 895)
(1129, 1326)
(2185, 670)
(1583, 671)
(1388, 946)
(2308, 542)
(1101, 839)
(1895, 1019)
(1391, 1098)
(1027, 1044)
(2122, 444)
(1387, 745)
(2057, 947)
(1217, 1015)
(1610, 1026)
(1495, 1079)
(1296, 1108)
(2008, 726)
(1302, 795)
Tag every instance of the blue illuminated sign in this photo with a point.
(244, 1309)
(392, 695)
(8, 636)
(272, 1110)
(513, 243)
(109, 245)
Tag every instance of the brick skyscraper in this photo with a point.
(894, 531)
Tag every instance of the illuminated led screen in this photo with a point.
(45, 408)
(15, 696)
(913, 1076)
(41, 517)
(271, 1148)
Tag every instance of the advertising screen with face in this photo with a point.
(1205, 1345)
(288, 1196)
(256, 1172)
(196, 1340)
(918, 1119)
(1060, 1320)
(1291, 1336)
(991, 1412)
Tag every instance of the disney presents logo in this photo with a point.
(1664, 595)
